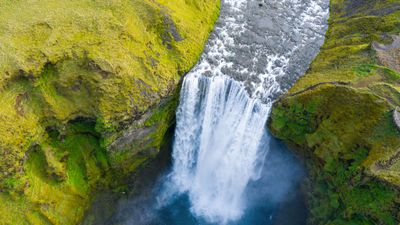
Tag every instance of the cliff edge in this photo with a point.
(339, 117)
(87, 93)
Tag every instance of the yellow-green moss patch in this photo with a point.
(338, 116)
(74, 76)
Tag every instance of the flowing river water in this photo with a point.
(226, 167)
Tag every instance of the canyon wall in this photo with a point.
(88, 89)
(339, 117)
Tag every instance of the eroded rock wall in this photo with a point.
(339, 117)
(87, 92)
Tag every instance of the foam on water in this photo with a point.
(258, 49)
(216, 145)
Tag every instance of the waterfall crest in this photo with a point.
(257, 51)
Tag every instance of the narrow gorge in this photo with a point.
(256, 51)
(200, 112)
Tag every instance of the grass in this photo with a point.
(346, 132)
(341, 132)
(347, 52)
(106, 61)
(63, 197)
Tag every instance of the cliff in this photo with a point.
(339, 117)
(87, 92)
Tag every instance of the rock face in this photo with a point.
(339, 117)
(389, 55)
(396, 117)
(80, 83)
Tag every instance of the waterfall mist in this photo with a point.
(218, 147)
(226, 168)
(256, 52)
(274, 193)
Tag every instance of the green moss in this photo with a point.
(156, 126)
(12, 209)
(111, 63)
(386, 91)
(339, 118)
(388, 74)
(364, 70)
(340, 131)
(341, 195)
(366, 204)
(163, 117)
(347, 54)
(61, 175)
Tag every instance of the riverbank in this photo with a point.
(339, 117)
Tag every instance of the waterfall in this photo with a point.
(257, 51)
(217, 144)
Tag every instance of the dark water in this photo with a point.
(266, 45)
(273, 199)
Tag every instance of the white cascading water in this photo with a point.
(216, 150)
(220, 140)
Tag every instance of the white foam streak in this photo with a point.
(216, 148)
(220, 136)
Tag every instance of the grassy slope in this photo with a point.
(106, 61)
(339, 117)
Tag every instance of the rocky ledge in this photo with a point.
(81, 82)
(339, 117)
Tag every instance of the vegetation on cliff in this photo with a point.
(75, 78)
(339, 117)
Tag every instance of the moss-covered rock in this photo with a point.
(80, 83)
(339, 117)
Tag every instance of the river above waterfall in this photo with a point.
(257, 51)
(226, 168)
